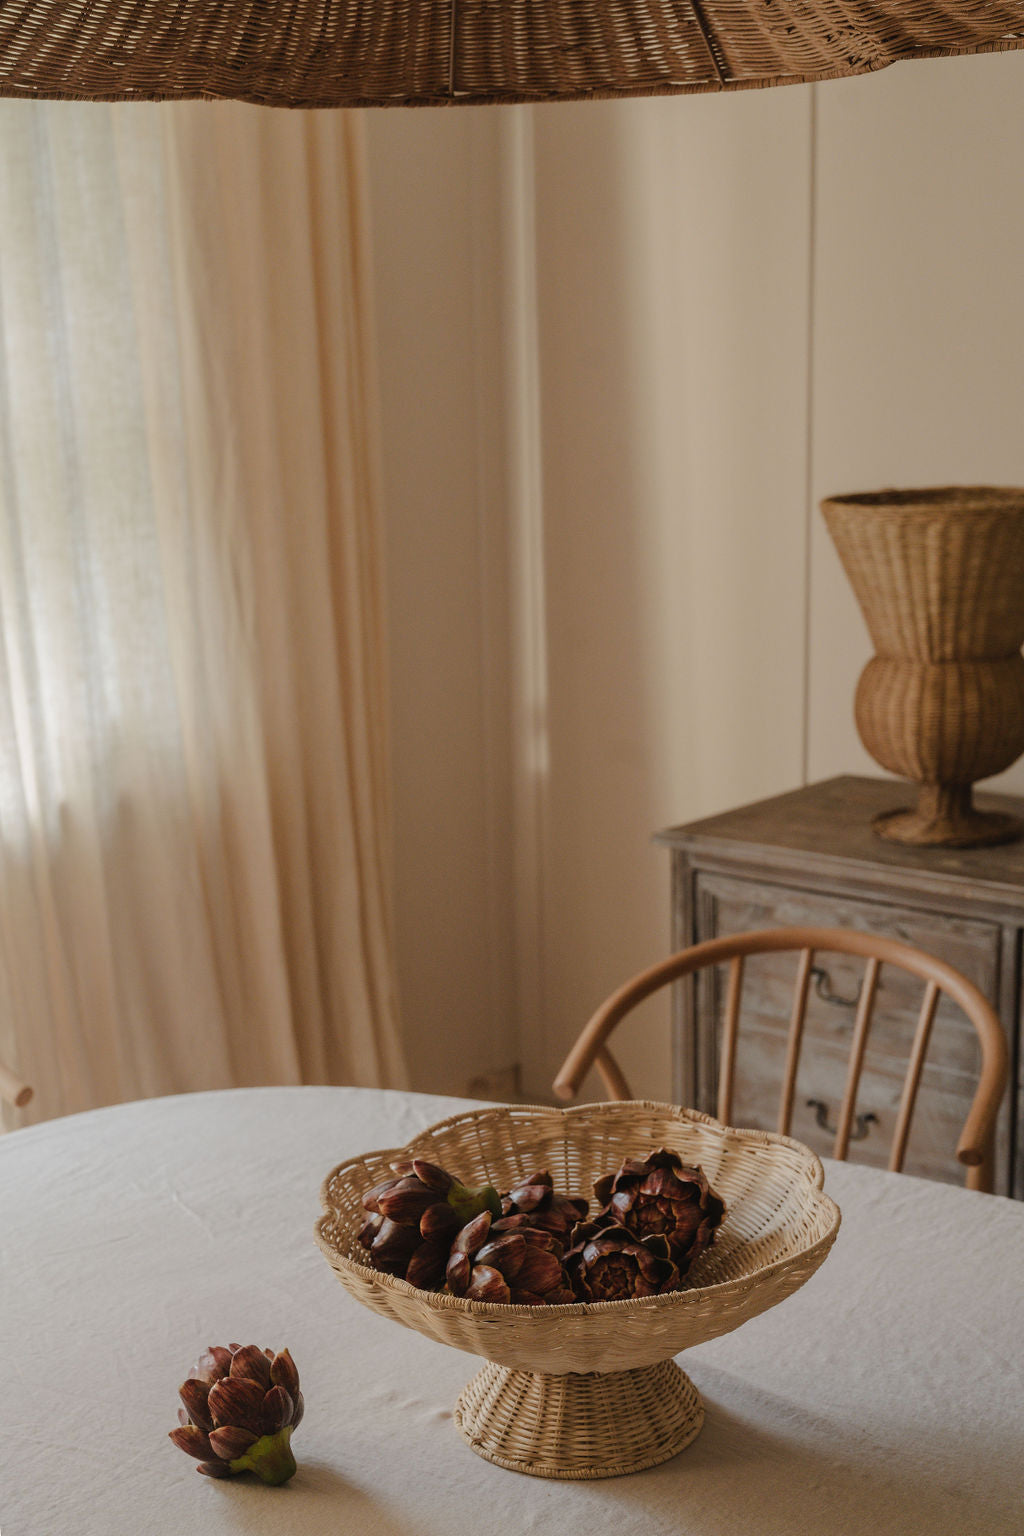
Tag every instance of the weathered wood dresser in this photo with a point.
(810, 857)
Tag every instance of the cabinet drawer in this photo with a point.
(731, 905)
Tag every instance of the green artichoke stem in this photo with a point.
(468, 1202)
(270, 1458)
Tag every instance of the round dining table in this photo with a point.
(887, 1395)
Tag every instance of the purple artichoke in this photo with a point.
(661, 1196)
(241, 1405)
(610, 1264)
(535, 1204)
(522, 1266)
(414, 1217)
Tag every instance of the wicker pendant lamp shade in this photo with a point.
(334, 53)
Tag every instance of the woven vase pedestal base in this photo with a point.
(946, 817)
(579, 1426)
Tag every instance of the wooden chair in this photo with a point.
(12, 1090)
(975, 1146)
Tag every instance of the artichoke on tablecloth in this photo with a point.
(241, 1405)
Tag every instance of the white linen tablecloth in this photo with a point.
(885, 1396)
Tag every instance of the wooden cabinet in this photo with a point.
(810, 857)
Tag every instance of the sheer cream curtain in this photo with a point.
(194, 828)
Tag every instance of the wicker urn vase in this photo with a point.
(591, 1390)
(939, 576)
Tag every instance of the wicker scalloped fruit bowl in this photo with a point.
(591, 1390)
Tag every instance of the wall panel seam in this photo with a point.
(812, 254)
(527, 598)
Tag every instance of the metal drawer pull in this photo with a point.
(823, 987)
(859, 1131)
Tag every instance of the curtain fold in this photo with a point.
(194, 817)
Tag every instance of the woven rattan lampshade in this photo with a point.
(332, 53)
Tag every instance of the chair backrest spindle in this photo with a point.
(795, 1039)
(861, 1026)
(611, 1074)
(730, 1034)
(910, 1083)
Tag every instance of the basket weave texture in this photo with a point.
(322, 53)
(778, 1228)
(579, 1427)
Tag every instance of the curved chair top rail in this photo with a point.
(975, 1139)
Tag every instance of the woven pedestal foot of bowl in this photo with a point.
(579, 1426)
(975, 829)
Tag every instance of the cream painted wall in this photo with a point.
(435, 194)
(672, 249)
(625, 349)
